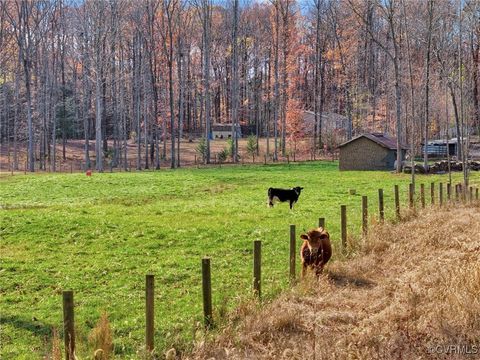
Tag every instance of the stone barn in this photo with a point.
(370, 151)
(224, 131)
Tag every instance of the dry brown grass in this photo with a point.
(55, 352)
(101, 338)
(412, 286)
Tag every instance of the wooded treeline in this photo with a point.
(157, 71)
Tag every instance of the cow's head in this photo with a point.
(298, 189)
(314, 239)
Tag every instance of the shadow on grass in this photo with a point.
(34, 326)
(342, 280)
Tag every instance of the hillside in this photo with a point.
(410, 292)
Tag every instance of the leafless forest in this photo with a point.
(154, 74)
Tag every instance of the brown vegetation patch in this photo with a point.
(219, 188)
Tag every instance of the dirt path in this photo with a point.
(412, 291)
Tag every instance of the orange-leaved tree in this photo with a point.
(295, 123)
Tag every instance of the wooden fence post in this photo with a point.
(456, 192)
(397, 201)
(69, 325)
(471, 194)
(257, 268)
(381, 209)
(321, 222)
(207, 292)
(293, 249)
(449, 191)
(440, 194)
(343, 213)
(365, 214)
(410, 195)
(432, 193)
(149, 312)
(476, 193)
(422, 195)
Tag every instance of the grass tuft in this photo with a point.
(101, 338)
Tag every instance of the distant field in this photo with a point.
(74, 154)
(99, 236)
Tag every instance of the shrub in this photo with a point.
(230, 147)
(201, 148)
(252, 146)
(108, 154)
(223, 155)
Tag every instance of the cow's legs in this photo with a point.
(270, 202)
(304, 270)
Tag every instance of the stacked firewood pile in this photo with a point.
(441, 167)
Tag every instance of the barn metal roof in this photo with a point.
(379, 138)
(221, 127)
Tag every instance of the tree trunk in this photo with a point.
(276, 82)
(98, 124)
(234, 83)
(137, 59)
(285, 53)
(206, 69)
(412, 95)
(86, 101)
(170, 92)
(181, 92)
(427, 83)
(316, 80)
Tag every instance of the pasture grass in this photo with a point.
(99, 236)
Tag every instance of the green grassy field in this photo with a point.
(99, 236)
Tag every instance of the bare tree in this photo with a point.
(430, 20)
(204, 9)
(234, 90)
(389, 9)
(21, 22)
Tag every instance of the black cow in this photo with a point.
(282, 195)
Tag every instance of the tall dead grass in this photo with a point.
(55, 351)
(101, 338)
(412, 287)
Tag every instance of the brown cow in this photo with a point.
(316, 250)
